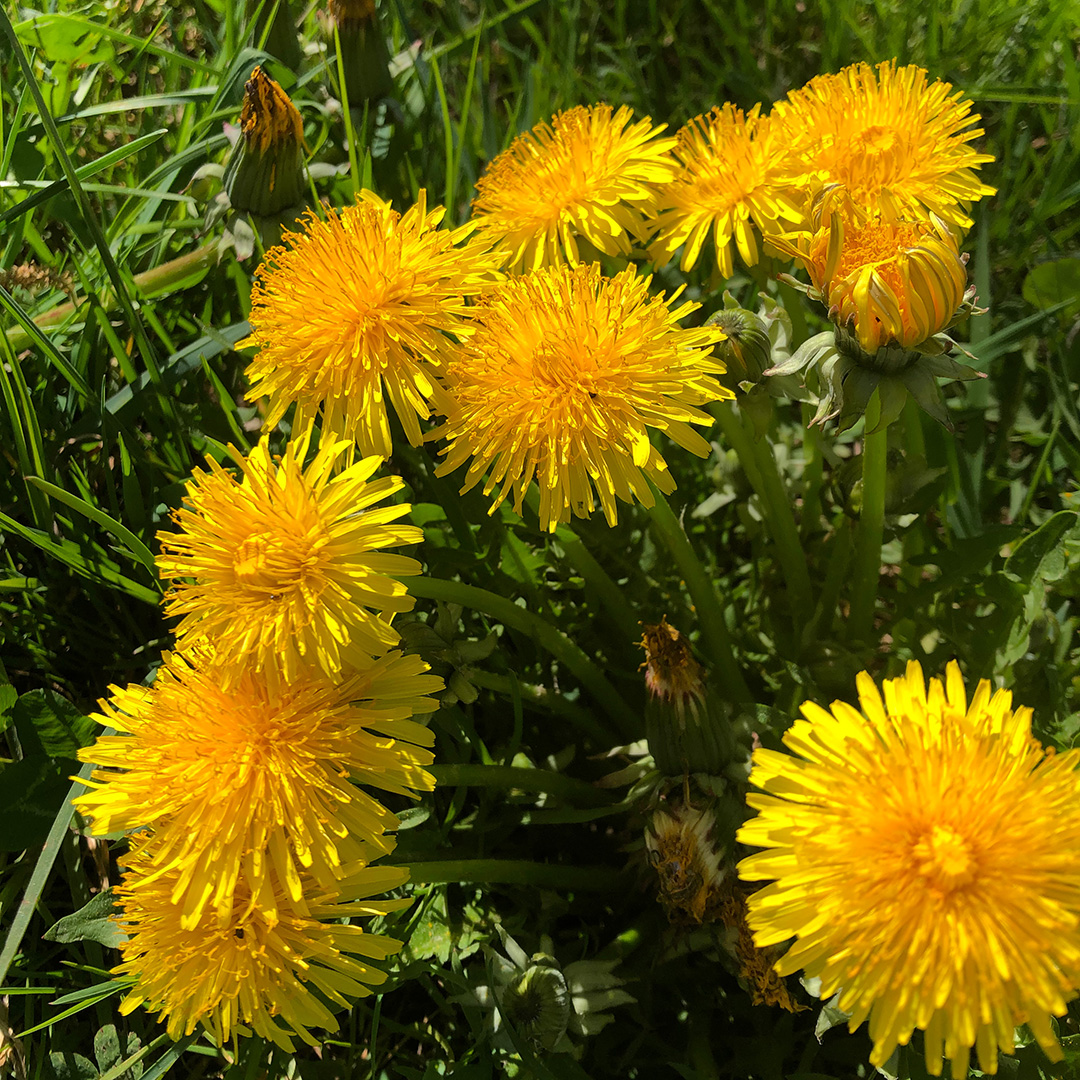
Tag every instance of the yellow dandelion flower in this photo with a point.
(589, 174)
(888, 138)
(248, 784)
(563, 378)
(282, 567)
(357, 308)
(895, 282)
(270, 968)
(922, 854)
(734, 182)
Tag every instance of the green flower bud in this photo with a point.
(686, 724)
(364, 57)
(265, 174)
(747, 351)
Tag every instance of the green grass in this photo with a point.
(109, 406)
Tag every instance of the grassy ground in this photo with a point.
(106, 411)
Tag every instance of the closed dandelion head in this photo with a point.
(892, 286)
(283, 566)
(265, 174)
(921, 852)
(565, 374)
(356, 309)
(892, 140)
(891, 282)
(256, 787)
(733, 185)
(590, 175)
(271, 968)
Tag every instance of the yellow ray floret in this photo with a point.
(566, 373)
(271, 968)
(889, 138)
(357, 308)
(282, 567)
(589, 174)
(736, 181)
(922, 853)
(250, 785)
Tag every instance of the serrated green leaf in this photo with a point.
(91, 922)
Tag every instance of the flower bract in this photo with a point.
(733, 184)
(589, 174)
(887, 138)
(356, 309)
(283, 566)
(271, 968)
(252, 788)
(564, 376)
(922, 853)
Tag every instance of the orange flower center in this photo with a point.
(944, 858)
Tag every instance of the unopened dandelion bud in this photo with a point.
(747, 349)
(686, 725)
(537, 1002)
(265, 174)
(365, 58)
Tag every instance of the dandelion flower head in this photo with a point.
(284, 566)
(271, 968)
(734, 182)
(896, 281)
(589, 174)
(921, 853)
(889, 138)
(355, 309)
(562, 380)
(249, 785)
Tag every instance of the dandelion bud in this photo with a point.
(747, 352)
(364, 57)
(537, 1002)
(687, 726)
(265, 174)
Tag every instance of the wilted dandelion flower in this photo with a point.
(890, 281)
(250, 788)
(282, 567)
(355, 309)
(589, 174)
(923, 855)
(889, 139)
(563, 378)
(265, 174)
(734, 183)
(270, 968)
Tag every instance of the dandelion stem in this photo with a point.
(509, 777)
(709, 610)
(612, 600)
(759, 464)
(867, 569)
(514, 872)
(629, 723)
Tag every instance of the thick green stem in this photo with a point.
(181, 272)
(867, 569)
(514, 872)
(759, 464)
(710, 612)
(629, 723)
(508, 778)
